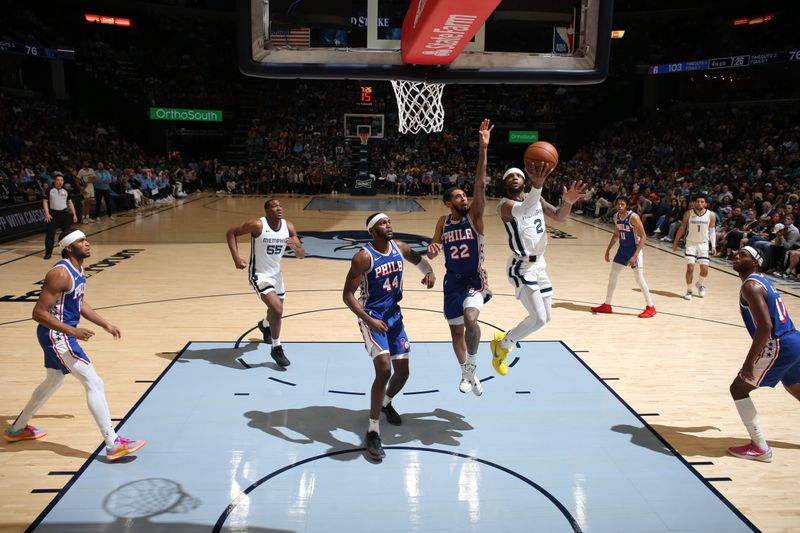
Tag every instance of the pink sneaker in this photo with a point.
(752, 452)
(26, 433)
(123, 447)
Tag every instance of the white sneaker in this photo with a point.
(464, 386)
(477, 387)
(688, 295)
(666, 239)
(701, 290)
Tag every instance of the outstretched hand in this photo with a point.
(485, 132)
(576, 191)
(537, 172)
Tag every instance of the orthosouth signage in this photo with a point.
(191, 115)
(523, 136)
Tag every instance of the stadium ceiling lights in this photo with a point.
(111, 21)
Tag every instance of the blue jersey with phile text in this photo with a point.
(462, 246)
(781, 323)
(627, 234)
(67, 308)
(382, 285)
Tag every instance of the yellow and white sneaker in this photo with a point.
(499, 354)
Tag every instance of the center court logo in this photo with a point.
(343, 245)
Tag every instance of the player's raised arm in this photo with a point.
(253, 227)
(479, 196)
(575, 192)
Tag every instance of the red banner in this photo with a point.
(436, 31)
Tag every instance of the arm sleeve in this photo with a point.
(530, 202)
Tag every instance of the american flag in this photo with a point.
(291, 37)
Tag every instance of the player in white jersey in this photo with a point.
(270, 235)
(699, 225)
(523, 216)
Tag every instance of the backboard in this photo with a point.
(522, 42)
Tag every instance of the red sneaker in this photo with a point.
(604, 308)
(649, 312)
(752, 452)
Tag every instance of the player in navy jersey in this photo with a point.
(377, 270)
(629, 231)
(774, 353)
(460, 236)
(58, 310)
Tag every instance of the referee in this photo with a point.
(58, 212)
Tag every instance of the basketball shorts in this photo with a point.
(525, 274)
(463, 292)
(394, 341)
(696, 252)
(57, 347)
(779, 361)
(623, 256)
(264, 284)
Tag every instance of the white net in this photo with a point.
(419, 105)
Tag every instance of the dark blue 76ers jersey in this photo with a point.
(67, 308)
(463, 247)
(382, 285)
(627, 235)
(781, 323)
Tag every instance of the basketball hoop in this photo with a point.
(419, 106)
(364, 136)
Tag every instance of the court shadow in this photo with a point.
(687, 442)
(569, 306)
(665, 294)
(42, 445)
(318, 423)
(133, 504)
(227, 357)
(586, 308)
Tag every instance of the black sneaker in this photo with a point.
(374, 446)
(47, 256)
(279, 356)
(392, 416)
(265, 332)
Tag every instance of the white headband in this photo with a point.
(374, 220)
(513, 170)
(71, 237)
(754, 253)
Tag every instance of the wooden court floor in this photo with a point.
(165, 277)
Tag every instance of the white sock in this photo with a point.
(373, 426)
(689, 288)
(749, 416)
(387, 400)
(472, 359)
(110, 436)
(276, 342)
(265, 323)
(702, 281)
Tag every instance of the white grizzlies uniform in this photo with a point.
(266, 251)
(527, 238)
(697, 238)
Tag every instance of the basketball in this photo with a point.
(541, 151)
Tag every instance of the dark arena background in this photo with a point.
(172, 122)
